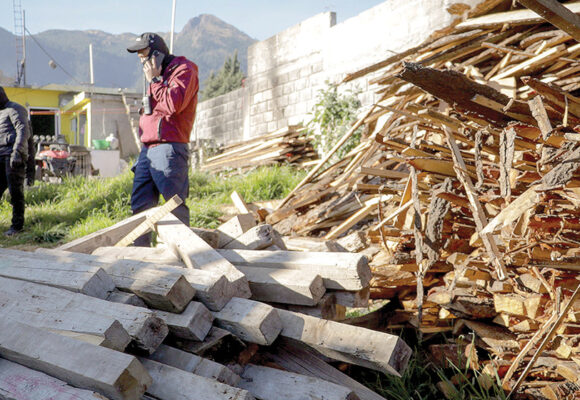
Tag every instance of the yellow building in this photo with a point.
(79, 113)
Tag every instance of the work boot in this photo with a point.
(12, 231)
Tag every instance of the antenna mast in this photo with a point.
(20, 33)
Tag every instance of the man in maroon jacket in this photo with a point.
(164, 127)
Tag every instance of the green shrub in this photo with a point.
(333, 115)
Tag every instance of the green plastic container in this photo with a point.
(100, 144)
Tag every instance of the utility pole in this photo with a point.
(172, 27)
(19, 33)
(91, 72)
(23, 48)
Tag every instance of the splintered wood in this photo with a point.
(486, 118)
(288, 145)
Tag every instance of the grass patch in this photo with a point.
(58, 213)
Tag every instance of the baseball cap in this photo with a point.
(151, 40)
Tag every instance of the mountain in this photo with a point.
(206, 40)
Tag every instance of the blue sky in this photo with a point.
(258, 18)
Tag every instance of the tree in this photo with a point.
(228, 78)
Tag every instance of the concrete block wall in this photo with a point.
(221, 118)
(286, 71)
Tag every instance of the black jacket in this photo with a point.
(14, 129)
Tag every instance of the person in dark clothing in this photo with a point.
(164, 128)
(14, 136)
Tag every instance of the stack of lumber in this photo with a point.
(290, 145)
(208, 314)
(466, 192)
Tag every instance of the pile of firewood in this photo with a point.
(466, 192)
(207, 314)
(290, 145)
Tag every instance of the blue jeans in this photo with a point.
(162, 169)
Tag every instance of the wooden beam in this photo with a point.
(341, 271)
(250, 320)
(81, 278)
(295, 357)
(371, 349)
(196, 253)
(557, 14)
(284, 285)
(145, 328)
(212, 289)
(66, 359)
(195, 364)
(170, 383)
(104, 330)
(19, 382)
(160, 290)
(275, 384)
(192, 324)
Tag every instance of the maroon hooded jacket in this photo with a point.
(173, 101)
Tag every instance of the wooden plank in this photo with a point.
(361, 214)
(239, 202)
(371, 349)
(192, 324)
(234, 227)
(385, 173)
(212, 289)
(557, 14)
(106, 236)
(18, 382)
(66, 359)
(342, 271)
(149, 224)
(517, 17)
(147, 331)
(160, 290)
(284, 285)
(293, 356)
(170, 383)
(250, 320)
(196, 253)
(90, 280)
(196, 365)
(274, 384)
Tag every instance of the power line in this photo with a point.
(52, 58)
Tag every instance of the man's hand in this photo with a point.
(151, 69)
(16, 160)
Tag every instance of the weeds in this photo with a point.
(425, 380)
